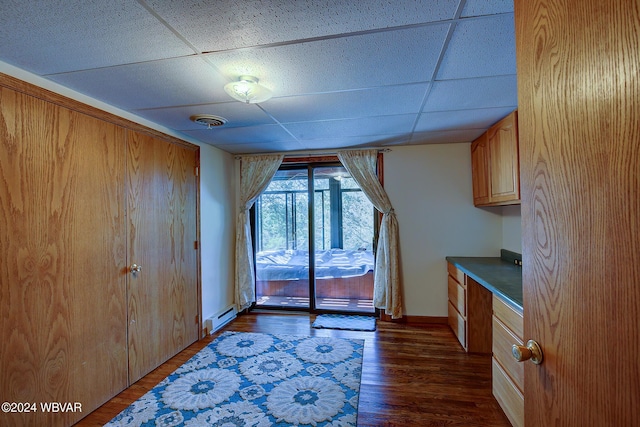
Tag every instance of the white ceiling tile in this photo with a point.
(366, 126)
(460, 119)
(240, 135)
(236, 113)
(274, 147)
(353, 142)
(392, 100)
(171, 82)
(343, 73)
(484, 7)
(253, 148)
(48, 37)
(485, 92)
(360, 61)
(480, 47)
(228, 24)
(446, 136)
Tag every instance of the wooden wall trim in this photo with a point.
(416, 320)
(71, 104)
(311, 159)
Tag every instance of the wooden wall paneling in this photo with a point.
(163, 297)
(579, 109)
(62, 294)
(73, 105)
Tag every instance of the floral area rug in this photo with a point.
(257, 380)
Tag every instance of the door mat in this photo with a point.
(345, 322)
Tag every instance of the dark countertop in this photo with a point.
(499, 276)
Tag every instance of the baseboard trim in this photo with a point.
(416, 320)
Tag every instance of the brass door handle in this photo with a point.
(135, 268)
(531, 351)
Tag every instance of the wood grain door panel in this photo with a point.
(579, 103)
(161, 231)
(62, 249)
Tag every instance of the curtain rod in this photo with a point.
(313, 153)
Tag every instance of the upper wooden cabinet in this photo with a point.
(495, 166)
(480, 171)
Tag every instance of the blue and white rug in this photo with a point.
(343, 321)
(257, 380)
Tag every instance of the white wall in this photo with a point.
(512, 228)
(217, 228)
(430, 189)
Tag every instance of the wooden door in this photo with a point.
(163, 296)
(480, 171)
(502, 142)
(62, 253)
(579, 110)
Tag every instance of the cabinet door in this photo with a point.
(480, 171)
(62, 293)
(502, 142)
(163, 296)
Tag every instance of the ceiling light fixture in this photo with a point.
(247, 90)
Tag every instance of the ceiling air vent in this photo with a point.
(209, 120)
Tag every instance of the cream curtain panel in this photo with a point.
(255, 174)
(361, 164)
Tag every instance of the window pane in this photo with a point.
(322, 219)
(321, 184)
(273, 221)
(348, 183)
(357, 220)
(301, 224)
(282, 227)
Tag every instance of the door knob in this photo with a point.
(531, 351)
(135, 268)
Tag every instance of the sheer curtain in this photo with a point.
(255, 174)
(361, 164)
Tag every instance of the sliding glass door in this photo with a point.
(343, 245)
(282, 241)
(327, 268)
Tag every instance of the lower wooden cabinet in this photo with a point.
(508, 374)
(458, 325)
(507, 394)
(469, 311)
(485, 323)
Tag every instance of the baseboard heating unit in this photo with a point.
(217, 321)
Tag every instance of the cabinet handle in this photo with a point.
(531, 351)
(135, 268)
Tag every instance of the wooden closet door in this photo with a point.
(163, 296)
(62, 253)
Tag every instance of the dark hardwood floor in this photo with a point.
(353, 305)
(412, 375)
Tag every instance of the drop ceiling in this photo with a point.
(343, 74)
